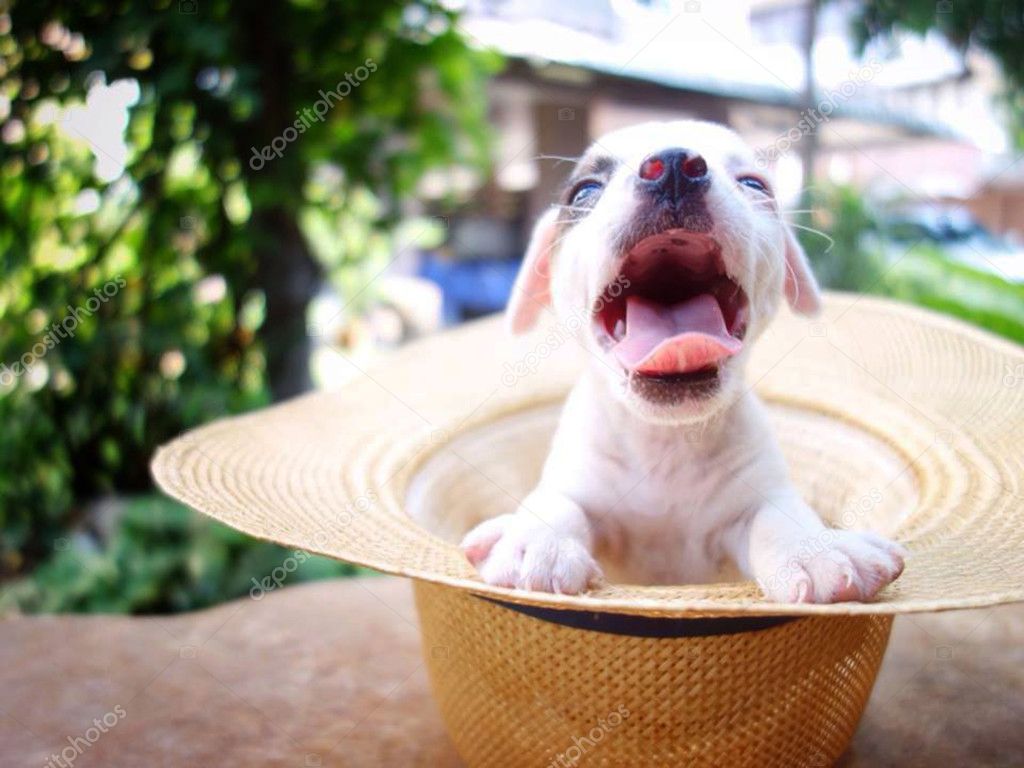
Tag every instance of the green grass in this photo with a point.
(928, 279)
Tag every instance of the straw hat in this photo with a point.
(890, 417)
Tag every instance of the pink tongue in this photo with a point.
(681, 338)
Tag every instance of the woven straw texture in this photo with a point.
(516, 691)
(890, 417)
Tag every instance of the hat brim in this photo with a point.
(891, 417)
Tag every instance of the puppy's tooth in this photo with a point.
(620, 329)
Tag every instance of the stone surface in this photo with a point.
(330, 674)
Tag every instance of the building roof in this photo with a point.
(710, 50)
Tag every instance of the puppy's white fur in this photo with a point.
(689, 490)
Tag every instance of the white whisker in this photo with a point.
(818, 232)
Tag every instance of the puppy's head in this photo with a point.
(670, 246)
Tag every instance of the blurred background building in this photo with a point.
(912, 123)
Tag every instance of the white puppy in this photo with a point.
(663, 462)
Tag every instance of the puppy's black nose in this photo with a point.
(674, 174)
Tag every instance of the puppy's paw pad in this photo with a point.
(477, 544)
(791, 584)
(554, 564)
(841, 566)
(877, 562)
(515, 552)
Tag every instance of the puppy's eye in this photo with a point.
(585, 193)
(754, 183)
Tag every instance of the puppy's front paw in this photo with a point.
(833, 567)
(519, 552)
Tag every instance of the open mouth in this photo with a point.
(672, 312)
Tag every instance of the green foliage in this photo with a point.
(844, 260)
(994, 25)
(927, 278)
(110, 345)
(921, 274)
(188, 277)
(163, 558)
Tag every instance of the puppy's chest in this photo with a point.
(654, 521)
(651, 519)
(650, 483)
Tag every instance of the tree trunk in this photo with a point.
(289, 279)
(286, 271)
(809, 143)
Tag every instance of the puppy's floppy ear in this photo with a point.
(532, 289)
(801, 288)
